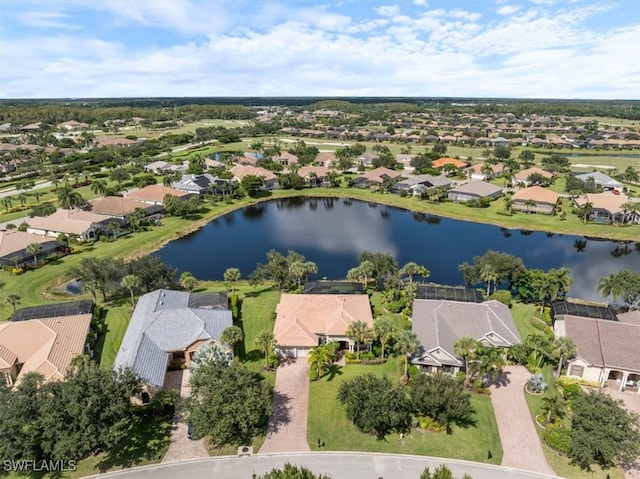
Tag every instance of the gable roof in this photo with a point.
(479, 188)
(537, 194)
(15, 241)
(52, 344)
(600, 179)
(524, 174)
(155, 193)
(413, 180)
(440, 323)
(604, 201)
(300, 318)
(117, 206)
(72, 221)
(441, 162)
(240, 171)
(163, 322)
(377, 175)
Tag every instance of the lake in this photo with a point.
(332, 232)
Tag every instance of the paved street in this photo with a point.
(337, 465)
(521, 446)
(287, 430)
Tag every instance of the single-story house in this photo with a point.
(167, 328)
(304, 321)
(85, 225)
(326, 158)
(314, 175)
(72, 125)
(249, 158)
(154, 194)
(608, 207)
(285, 158)
(474, 190)
(14, 244)
(375, 177)
(114, 140)
(438, 324)
(418, 184)
(119, 208)
(45, 346)
(608, 351)
(405, 160)
(603, 180)
(476, 172)
(200, 184)
(535, 199)
(440, 163)
(161, 167)
(521, 178)
(366, 159)
(500, 141)
(270, 179)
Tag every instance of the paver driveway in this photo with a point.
(521, 446)
(287, 430)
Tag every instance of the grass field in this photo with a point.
(523, 316)
(328, 422)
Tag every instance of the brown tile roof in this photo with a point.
(301, 317)
(46, 346)
(604, 201)
(440, 162)
(155, 193)
(116, 206)
(524, 174)
(114, 140)
(320, 171)
(66, 221)
(378, 174)
(537, 194)
(240, 171)
(13, 241)
(605, 343)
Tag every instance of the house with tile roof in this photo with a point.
(485, 171)
(375, 177)
(440, 323)
(45, 346)
(535, 199)
(304, 321)
(167, 328)
(270, 179)
(603, 180)
(314, 175)
(419, 184)
(474, 191)
(200, 184)
(154, 194)
(14, 244)
(85, 225)
(609, 207)
(521, 178)
(608, 350)
(442, 162)
(120, 208)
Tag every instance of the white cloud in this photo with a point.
(507, 9)
(387, 10)
(45, 19)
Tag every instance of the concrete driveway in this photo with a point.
(287, 430)
(181, 448)
(521, 446)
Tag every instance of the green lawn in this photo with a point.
(328, 422)
(523, 316)
(115, 325)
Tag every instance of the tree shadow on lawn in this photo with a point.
(333, 371)
(148, 440)
(255, 294)
(253, 356)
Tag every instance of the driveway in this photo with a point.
(287, 429)
(181, 448)
(521, 446)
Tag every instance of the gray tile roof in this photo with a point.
(600, 179)
(161, 323)
(479, 188)
(440, 323)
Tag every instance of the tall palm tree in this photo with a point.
(564, 348)
(360, 333)
(232, 276)
(610, 286)
(99, 187)
(489, 363)
(466, 347)
(406, 344)
(412, 269)
(188, 281)
(552, 408)
(131, 282)
(319, 357)
(68, 198)
(488, 275)
(13, 300)
(6, 202)
(34, 249)
(266, 342)
(297, 269)
(586, 211)
(561, 281)
(530, 204)
(385, 330)
(232, 336)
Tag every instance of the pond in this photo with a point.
(333, 231)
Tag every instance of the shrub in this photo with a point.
(273, 361)
(558, 438)
(536, 384)
(403, 194)
(413, 371)
(570, 391)
(367, 355)
(429, 424)
(313, 374)
(503, 297)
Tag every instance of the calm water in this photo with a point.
(332, 232)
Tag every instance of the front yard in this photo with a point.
(328, 424)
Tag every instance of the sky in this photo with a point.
(588, 49)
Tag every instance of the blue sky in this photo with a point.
(461, 48)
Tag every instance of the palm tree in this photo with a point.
(232, 336)
(564, 348)
(630, 175)
(385, 330)
(489, 362)
(561, 281)
(232, 276)
(406, 344)
(530, 204)
(486, 170)
(188, 281)
(298, 270)
(266, 342)
(92, 286)
(6, 202)
(488, 275)
(13, 300)
(131, 282)
(68, 198)
(552, 407)
(359, 332)
(99, 187)
(466, 347)
(55, 182)
(610, 286)
(34, 249)
(319, 357)
(112, 227)
(586, 210)
(412, 269)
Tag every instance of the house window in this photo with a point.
(576, 370)
(145, 397)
